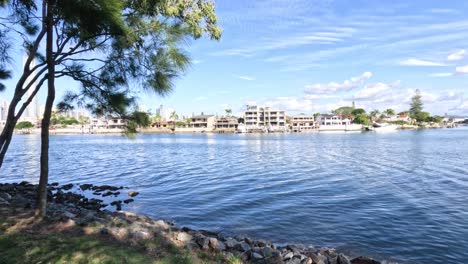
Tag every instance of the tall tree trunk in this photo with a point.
(44, 176)
(20, 91)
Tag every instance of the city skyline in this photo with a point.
(315, 56)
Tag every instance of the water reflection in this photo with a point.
(400, 194)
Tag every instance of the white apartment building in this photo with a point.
(331, 120)
(336, 123)
(303, 123)
(264, 118)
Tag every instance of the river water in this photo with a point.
(399, 196)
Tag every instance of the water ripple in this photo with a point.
(399, 196)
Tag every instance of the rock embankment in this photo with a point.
(78, 210)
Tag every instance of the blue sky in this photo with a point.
(316, 55)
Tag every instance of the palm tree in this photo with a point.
(374, 114)
(228, 112)
(174, 118)
(157, 118)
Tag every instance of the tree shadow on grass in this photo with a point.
(24, 240)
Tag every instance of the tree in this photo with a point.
(82, 120)
(137, 119)
(389, 112)
(316, 115)
(228, 112)
(105, 45)
(344, 110)
(361, 119)
(373, 114)
(422, 117)
(24, 125)
(157, 118)
(174, 118)
(358, 111)
(416, 106)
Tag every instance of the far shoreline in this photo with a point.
(147, 131)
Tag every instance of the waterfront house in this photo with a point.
(202, 121)
(198, 123)
(226, 124)
(332, 122)
(303, 123)
(402, 117)
(116, 123)
(258, 118)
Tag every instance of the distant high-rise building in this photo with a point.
(3, 110)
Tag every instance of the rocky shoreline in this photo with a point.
(68, 205)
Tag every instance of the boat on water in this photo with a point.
(382, 127)
(241, 128)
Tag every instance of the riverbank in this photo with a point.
(117, 131)
(77, 228)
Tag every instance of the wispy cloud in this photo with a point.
(418, 62)
(441, 74)
(450, 96)
(443, 11)
(246, 78)
(462, 69)
(201, 98)
(456, 56)
(373, 91)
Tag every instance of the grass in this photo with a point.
(24, 241)
(58, 248)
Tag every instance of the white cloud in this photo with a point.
(291, 104)
(332, 87)
(197, 61)
(459, 55)
(372, 91)
(462, 69)
(443, 11)
(201, 98)
(418, 62)
(246, 78)
(450, 96)
(442, 74)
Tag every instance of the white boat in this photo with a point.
(241, 128)
(383, 127)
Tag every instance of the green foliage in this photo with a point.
(135, 120)
(389, 112)
(174, 116)
(374, 113)
(24, 125)
(111, 46)
(344, 110)
(358, 111)
(361, 119)
(63, 120)
(180, 123)
(422, 116)
(59, 248)
(156, 118)
(434, 119)
(416, 106)
(83, 120)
